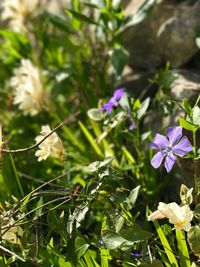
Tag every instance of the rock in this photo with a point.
(176, 36)
(186, 85)
(166, 34)
(135, 82)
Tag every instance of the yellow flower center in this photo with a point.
(180, 224)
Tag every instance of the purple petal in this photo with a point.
(183, 147)
(159, 142)
(157, 159)
(107, 106)
(169, 162)
(132, 126)
(118, 94)
(174, 134)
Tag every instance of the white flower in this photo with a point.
(51, 146)
(179, 216)
(27, 85)
(17, 13)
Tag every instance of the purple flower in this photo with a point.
(118, 93)
(132, 126)
(169, 147)
(136, 254)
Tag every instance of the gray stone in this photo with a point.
(186, 85)
(167, 34)
(135, 82)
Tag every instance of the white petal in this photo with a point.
(155, 216)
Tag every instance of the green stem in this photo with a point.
(195, 144)
(196, 189)
(198, 99)
(16, 175)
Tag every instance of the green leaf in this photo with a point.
(163, 257)
(124, 102)
(119, 196)
(91, 139)
(197, 212)
(95, 114)
(182, 249)
(187, 107)
(17, 46)
(194, 239)
(73, 139)
(137, 104)
(155, 263)
(16, 174)
(119, 223)
(80, 16)
(135, 234)
(105, 257)
(38, 212)
(119, 58)
(144, 136)
(144, 106)
(81, 246)
(89, 4)
(187, 125)
(196, 115)
(131, 199)
(57, 21)
(90, 259)
(166, 246)
(186, 195)
(78, 215)
(107, 147)
(197, 40)
(128, 155)
(112, 240)
(95, 166)
(15, 38)
(63, 263)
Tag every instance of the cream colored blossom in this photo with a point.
(179, 216)
(28, 90)
(9, 232)
(17, 13)
(51, 146)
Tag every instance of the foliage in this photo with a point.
(85, 200)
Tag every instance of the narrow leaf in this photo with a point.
(80, 16)
(182, 249)
(165, 244)
(91, 139)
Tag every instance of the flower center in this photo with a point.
(168, 149)
(180, 224)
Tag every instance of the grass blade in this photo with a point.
(91, 139)
(16, 175)
(182, 249)
(105, 256)
(166, 246)
(107, 149)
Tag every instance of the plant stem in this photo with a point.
(197, 101)
(196, 182)
(16, 175)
